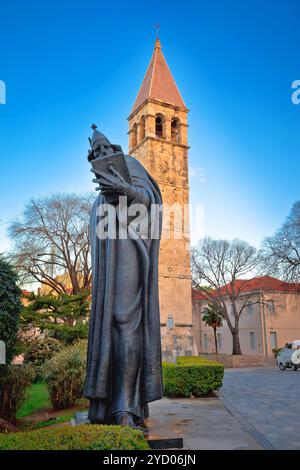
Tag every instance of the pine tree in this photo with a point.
(63, 317)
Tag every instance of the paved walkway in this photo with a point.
(266, 403)
(204, 424)
(257, 408)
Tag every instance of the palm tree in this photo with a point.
(213, 318)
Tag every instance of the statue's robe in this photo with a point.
(124, 347)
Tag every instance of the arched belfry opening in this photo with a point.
(142, 128)
(134, 136)
(159, 126)
(175, 130)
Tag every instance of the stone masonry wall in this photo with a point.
(167, 163)
(241, 360)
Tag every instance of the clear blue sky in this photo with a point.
(70, 63)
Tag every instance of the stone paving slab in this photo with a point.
(204, 424)
(268, 401)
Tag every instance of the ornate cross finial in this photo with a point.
(157, 40)
(93, 126)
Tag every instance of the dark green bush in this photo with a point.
(83, 437)
(14, 380)
(64, 374)
(192, 376)
(10, 308)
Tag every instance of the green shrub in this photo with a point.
(38, 351)
(10, 308)
(192, 376)
(14, 380)
(64, 374)
(83, 437)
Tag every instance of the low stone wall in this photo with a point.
(241, 361)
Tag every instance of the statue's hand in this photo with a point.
(113, 183)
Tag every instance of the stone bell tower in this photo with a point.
(158, 139)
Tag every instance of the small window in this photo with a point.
(175, 130)
(273, 339)
(271, 306)
(170, 322)
(134, 136)
(250, 308)
(219, 341)
(252, 340)
(142, 128)
(205, 340)
(159, 126)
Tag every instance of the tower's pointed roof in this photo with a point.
(158, 83)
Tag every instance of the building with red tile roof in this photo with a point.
(271, 319)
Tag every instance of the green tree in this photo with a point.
(14, 379)
(10, 307)
(212, 317)
(64, 317)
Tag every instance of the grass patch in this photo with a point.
(37, 399)
(37, 411)
(49, 422)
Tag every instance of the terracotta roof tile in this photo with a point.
(262, 283)
(158, 83)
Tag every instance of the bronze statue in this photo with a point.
(124, 349)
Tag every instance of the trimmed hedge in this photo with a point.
(192, 376)
(83, 437)
(195, 361)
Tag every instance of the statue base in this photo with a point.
(164, 442)
(80, 417)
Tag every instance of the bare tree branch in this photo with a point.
(218, 270)
(51, 242)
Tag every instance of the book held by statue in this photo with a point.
(101, 167)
